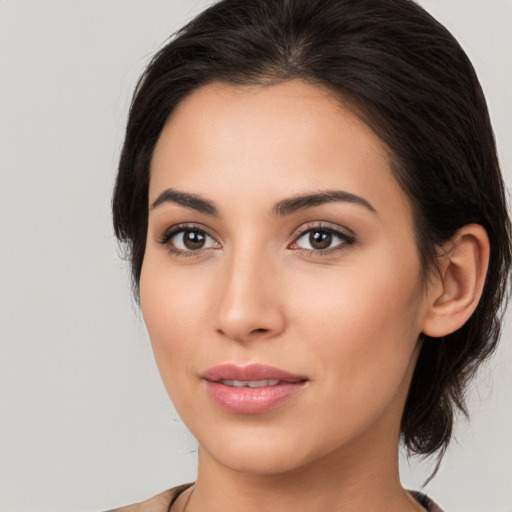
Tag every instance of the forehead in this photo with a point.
(266, 141)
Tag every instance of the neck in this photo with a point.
(338, 482)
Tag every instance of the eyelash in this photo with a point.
(181, 228)
(347, 239)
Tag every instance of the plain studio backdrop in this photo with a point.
(85, 422)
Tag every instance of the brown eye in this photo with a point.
(320, 239)
(188, 240)
(193, 240)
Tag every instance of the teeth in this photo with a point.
(249, 383)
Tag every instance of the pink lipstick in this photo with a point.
(251, 389)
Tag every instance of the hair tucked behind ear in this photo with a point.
(406, 76)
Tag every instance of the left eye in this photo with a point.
(321, 239)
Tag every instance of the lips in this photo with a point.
(251, 389)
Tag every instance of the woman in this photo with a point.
(316, 221)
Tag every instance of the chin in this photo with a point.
(261, 451)
(255, 461)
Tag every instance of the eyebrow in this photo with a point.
(193, 201)
(280, 209)
(293, 204)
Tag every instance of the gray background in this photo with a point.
(85, 423)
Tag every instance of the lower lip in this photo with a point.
(251, 400)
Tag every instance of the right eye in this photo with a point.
(187, 240)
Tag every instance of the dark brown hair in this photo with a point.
(407, 77)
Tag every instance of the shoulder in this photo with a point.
(426, 502)
(160, 503)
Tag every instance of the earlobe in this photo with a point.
(454, 295)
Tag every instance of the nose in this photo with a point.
(249, 307)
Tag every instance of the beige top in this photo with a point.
(164, 501)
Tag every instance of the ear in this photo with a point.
(454, 293)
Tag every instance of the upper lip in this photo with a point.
(250, 372)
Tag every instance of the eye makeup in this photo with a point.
(320, 238)
(315, 238)
(187, 240)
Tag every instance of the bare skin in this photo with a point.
(346, 315)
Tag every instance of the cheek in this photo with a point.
(364, 320)
(359, 334)
(173, 310)
(172, 299)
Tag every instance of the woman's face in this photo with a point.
(278, 236)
